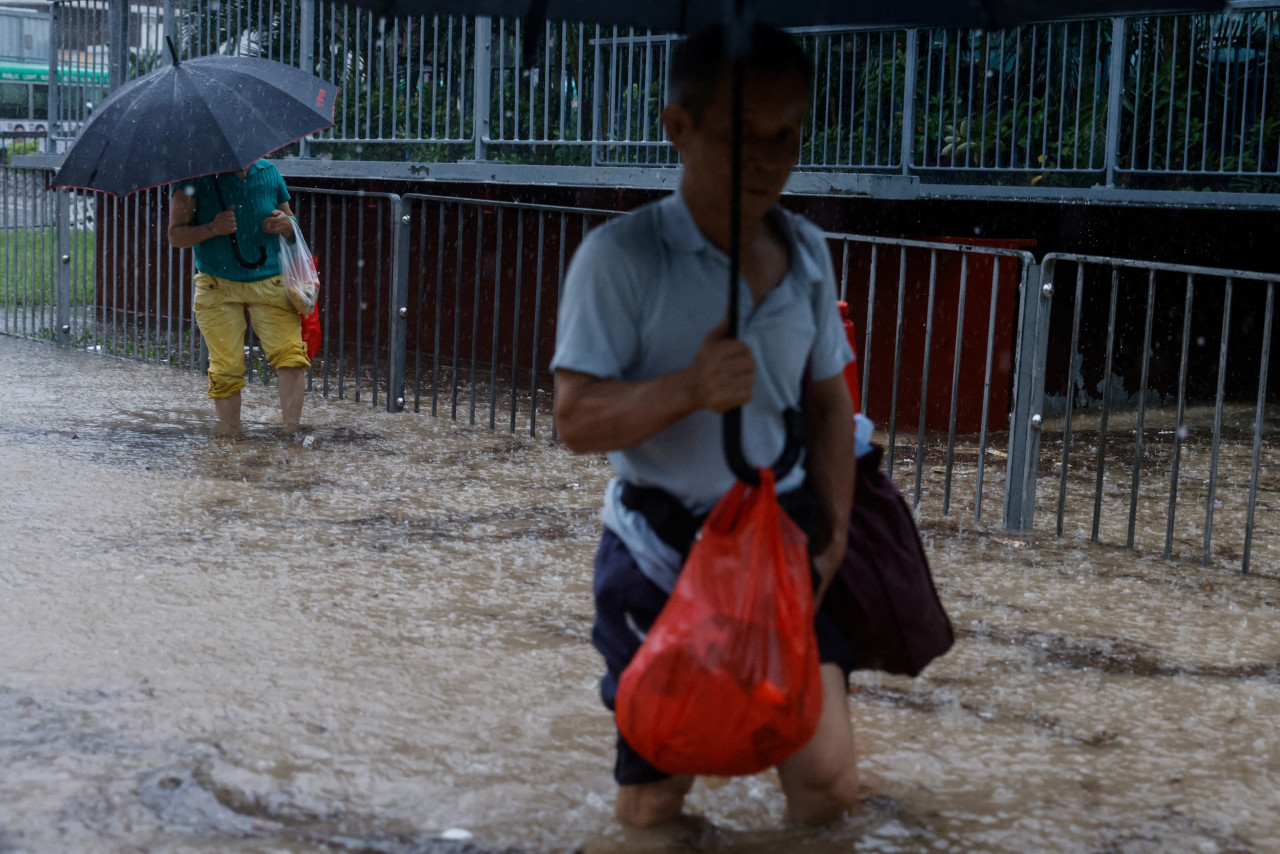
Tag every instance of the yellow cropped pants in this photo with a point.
(220, 306)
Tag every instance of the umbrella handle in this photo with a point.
(794, 428)
(235, 244)
(793, 422)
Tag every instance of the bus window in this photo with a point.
(39, 100)
(15, 101)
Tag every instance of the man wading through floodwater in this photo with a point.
(216, 215)
(644, 370)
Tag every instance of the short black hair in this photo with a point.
(698, 61)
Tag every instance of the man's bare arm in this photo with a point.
(183, 235)
(594, 415)
(832, 467)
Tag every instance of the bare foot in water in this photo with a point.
(223, 430)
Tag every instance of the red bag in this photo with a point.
(727, 680)
(311, 335)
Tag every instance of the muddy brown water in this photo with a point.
(376, 638)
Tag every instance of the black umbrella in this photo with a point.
(735, 15)
(198, 117)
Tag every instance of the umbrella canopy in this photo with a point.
(197, 117)
(690, 15)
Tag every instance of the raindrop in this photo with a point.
(456, 834)
(360, 263)
(1200, 341)
(363, 305)
(1183, 432)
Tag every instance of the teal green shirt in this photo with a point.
(255, 196)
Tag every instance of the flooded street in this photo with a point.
(375, 638)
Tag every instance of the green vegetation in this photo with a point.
(27, 275)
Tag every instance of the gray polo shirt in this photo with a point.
(640, 295)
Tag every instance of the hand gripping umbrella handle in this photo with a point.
(235, 244)
(793, 421)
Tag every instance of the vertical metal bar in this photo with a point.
(924, 379)
(1028, 390)
(62, 262)
(897, 354)
(398, 330)
(55, 84)
(537, 325)
(597, 105)
(497, 303)
(986, 385)
(908, 119)
(1217, 424)
(1142, 409)
(516, 315)
(435, 353)
(559, 298)
(868, 324)
(1106, 404)
(457, 317)
(1155, 95)
(421, 308)
(1115, 98)
(480, 121)
(307, 37)
(475, 310)
(1070, 399)
(1179, 432)
(1259, 417)
(118, 43)
(955, 383)
(328, 291)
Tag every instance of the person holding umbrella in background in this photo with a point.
(201, 125)
(644, 368)
(215, 215)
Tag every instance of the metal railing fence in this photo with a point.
(935, 328)
(1134, 393)
(481, 305)
(1159, 102)
(1157, 428)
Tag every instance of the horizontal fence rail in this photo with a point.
(1156, 421)
(1170, 102)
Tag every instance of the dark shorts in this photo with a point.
(627, 603)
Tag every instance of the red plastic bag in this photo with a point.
(311, 335)
(727, 680)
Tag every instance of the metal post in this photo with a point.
(1025, 422)
(398, 331)
(597, 102)
(307, 52)
(168, 31)
(118, 43)
(63, 264)
(909, 100)
(55, 44)
(1115, 98)
(482, 81)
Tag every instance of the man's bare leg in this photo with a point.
(821, 780)
(648, 804)
(291, 382)
(228, 411)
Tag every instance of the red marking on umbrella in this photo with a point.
(320, 99)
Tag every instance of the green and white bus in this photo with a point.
(24, 97)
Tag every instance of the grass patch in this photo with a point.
(27, 274)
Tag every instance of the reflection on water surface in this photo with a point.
(375, 637)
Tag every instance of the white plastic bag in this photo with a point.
(298, 269)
